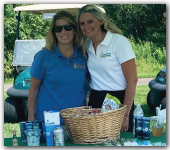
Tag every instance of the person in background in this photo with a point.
(58, 72)
(111, 61)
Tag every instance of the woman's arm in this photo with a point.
(129, 71)
(32, 97)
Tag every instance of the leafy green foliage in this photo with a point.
(146, 22)
(9, 127)
(8, 68)
(150, 59)
(31, 27)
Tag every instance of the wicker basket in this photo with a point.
(93, 129)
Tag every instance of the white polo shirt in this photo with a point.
(105, 65)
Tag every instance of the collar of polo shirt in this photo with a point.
(59, 54)
(105, 42)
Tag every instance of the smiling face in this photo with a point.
(90, 25)
(64, 37)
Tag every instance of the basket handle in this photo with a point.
(86, 107)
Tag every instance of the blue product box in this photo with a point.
(49, 134)
(138, 127)
(146, 128)
(28, 125)
(52, 121)
(22, 129)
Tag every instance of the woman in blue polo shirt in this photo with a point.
(58, 72)
(110, 62)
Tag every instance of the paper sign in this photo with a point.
(51, 118)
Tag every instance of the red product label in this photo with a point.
(95, 111)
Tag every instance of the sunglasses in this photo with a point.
(67, 27)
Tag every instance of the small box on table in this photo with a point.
(52, 121)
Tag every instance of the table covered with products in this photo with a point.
(85, 126)
(128, 136)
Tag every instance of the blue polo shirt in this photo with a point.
(63, 81)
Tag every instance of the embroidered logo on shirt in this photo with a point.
(105, 55)
(79, 65)
(101, 55)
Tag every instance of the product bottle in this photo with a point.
(137, 112)
(58, 135)
(14, 139)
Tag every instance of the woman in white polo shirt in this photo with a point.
(110, 62)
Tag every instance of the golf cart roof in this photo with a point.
(40, 9)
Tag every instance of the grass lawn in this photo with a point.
(5, 96)
(140, 98)
(10, 80)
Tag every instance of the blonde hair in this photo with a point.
(51, 39)
(108, 25)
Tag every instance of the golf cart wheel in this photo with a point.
(163, 103)
(150, 105)
(10, 112)
(22, 110)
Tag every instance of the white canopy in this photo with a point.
(39, 9)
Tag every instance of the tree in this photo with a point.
(31, 27)
(144, 22)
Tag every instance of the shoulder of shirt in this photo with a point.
(119, 39)
(117, 36)
(43, 53)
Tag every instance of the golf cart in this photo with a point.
(15, 105)
(157, 93)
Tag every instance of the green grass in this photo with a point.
(9, 127)
(10, 80)
(140, 98)
(147, 70)
(5, 96)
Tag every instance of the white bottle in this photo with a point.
(137, 112)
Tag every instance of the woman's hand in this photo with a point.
(125, 124)
(129, 71)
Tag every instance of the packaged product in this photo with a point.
(110, 103)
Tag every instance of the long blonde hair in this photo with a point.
(108, 25)
(51, 39)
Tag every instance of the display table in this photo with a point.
(127, 135)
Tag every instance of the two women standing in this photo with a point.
(59, 72)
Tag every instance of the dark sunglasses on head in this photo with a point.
(67, 27)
